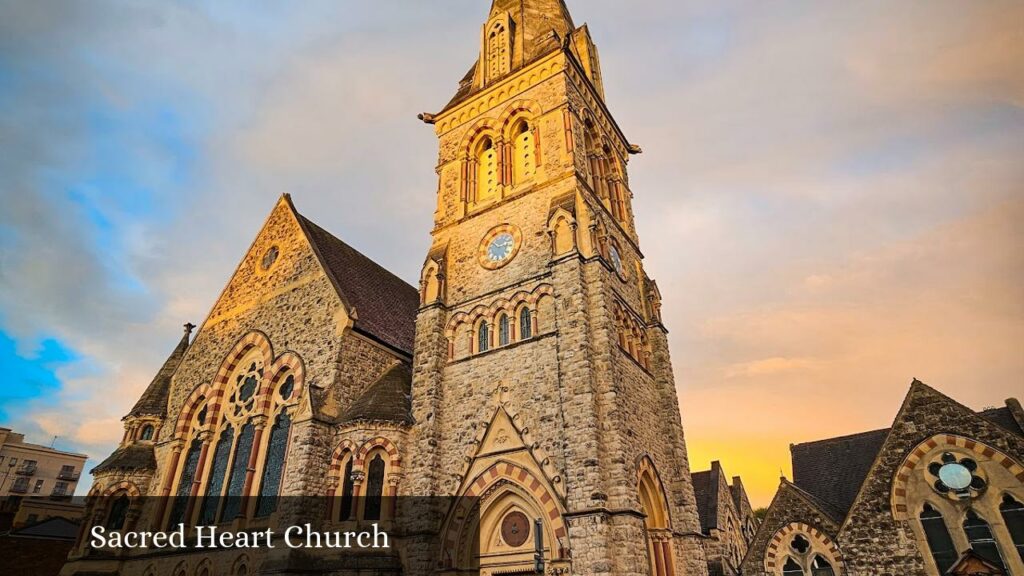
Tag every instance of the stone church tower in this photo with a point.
(542, 381)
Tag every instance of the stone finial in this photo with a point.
(189, 327)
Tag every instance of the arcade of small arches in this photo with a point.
(632, 336)
(226, 463)
(959, 493)
(362, 482)
(605, 173)
(520, 318)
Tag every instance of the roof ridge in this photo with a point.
(354, 249)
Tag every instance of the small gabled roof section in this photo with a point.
(129, 457)
(153, 401)
(707, 487)
(833, 470)
(386, 400)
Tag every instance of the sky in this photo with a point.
(829, 197)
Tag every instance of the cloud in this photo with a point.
(828, 195)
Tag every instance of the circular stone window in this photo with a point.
(956, 476)
(269, 257)
(515, 529)
(499, 246)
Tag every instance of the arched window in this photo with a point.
(345, 506)
(980, 537)
(487, 174)
(214, 486)
(497, 51)
(273, 467)
(791, 568)
(147, 432)
(374, 488)
(524, 161)
(525, 324)
(188, 475)
(939, 542)
(821, 567)
(118, 512)
(483, 338)
(503, 330)
(1013, 517)
(236, 481)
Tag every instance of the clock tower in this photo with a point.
(542, 383)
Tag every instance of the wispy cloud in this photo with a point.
(828, 195)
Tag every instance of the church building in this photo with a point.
(528, 373)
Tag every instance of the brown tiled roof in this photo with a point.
(385, 304)
(386, 400)
(153, 401)
(130, 457)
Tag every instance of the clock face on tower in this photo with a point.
(499, 246)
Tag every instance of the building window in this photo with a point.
(374, 488)
(345, 511)
(188, 474)
(273, 469)
(60, 489)
(791, 568)
(525, 324)
(1013, 517)
(147, 432)
(118, 512)
(821, 567)
(939, 542)
(503, 330)
(980, 536)
(20, 485)
(38, 487)
(208, 512)
(483, 338)
(800, 545)
(236, 480)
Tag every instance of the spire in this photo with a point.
(154, 400)
(536, 19)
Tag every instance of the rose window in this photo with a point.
(956, 476)
(243, 395)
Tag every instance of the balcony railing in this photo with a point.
(19, 489)
(26, 470)
(67, 476)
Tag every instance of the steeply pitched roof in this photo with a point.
(705, 490)
(832, 470)
(53, 528)
(385, 305)
(129, 457)
(153, 401)
(386, 400)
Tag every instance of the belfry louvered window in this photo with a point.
(274, 467)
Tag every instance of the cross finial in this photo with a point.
(189, 327)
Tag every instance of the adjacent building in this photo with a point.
(37, 481)
(726, 519)
(939, 492)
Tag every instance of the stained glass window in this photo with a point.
(483, 338)
(374, 488)
(147, 433)
(503, 330)
(208, 511)
(980, 537)
(525, 324)
(939, 541)
(273, 467)
(346, 492)
(1013, 517)
(118, 513)
(188, 475)
(236, 481)
(288, 387)
(821, 567)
